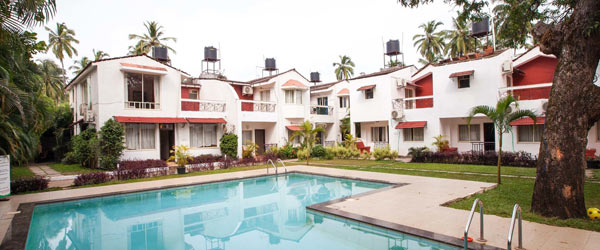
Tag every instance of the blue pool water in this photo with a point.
(258, 213)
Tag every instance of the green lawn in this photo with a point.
(72, 169)
(20, 172)
(498, 201)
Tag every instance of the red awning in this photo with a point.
(464, 73)
(528, 121)
(132, 119)
(293, 127)
(366, 87)
(413, 85)
(206, 120)
(420, 124)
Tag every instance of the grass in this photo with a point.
(72, 169)
(498, 201)
(20, 172)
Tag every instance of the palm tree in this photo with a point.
(61, 41)
(460, 41)
(344, 69)
(99, 55)
(508, 33)
(19, 14)
(50, 75)
(154, 37)
(431, 43)
(501, 115)
(309, 136)
(80, 65)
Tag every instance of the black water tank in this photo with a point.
(160, 53)
(392, 47)
(210, 53)
(314, 77)
(481, 28)
(270, 64)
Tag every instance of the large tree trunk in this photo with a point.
(573, 108)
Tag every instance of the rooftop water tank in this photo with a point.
(392, 47)
(210, 54)
(270, 64)
(314, 77)
(481, 28)
(160, 53)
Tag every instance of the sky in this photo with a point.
(307, 35)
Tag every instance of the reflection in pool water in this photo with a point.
(258, 213)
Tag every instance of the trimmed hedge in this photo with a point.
(92, 178)
(135, 164)
(515, 159)
(28, 184)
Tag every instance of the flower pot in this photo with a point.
(180, 170)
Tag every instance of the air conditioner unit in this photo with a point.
(400, 82)
(396, 115)
(82, 108)
(89, 116)
(507, 66)
(247, 90)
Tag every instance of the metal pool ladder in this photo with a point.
(481, 239)
(282, 164)
(272, 164)
(516, 209)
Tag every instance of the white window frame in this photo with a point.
(192, 91)
(377, 131)
(412, 134)
(469, 128)
(295, 95)
(248, 140)
(537, 133)
(343, 102)
(138, 145)
(204, 134)
(144, 104)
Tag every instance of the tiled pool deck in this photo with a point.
(415, 205)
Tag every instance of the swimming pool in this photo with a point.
(256, 213)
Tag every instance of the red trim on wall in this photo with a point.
(536, 71)
(426, 89)
(528, 121)
(206, 120)
(135, 119)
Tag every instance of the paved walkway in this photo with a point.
(55, 177)
(417, 205)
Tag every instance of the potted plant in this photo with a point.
(181, 157)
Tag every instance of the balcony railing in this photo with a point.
(481, 147)
(142, 105)
(202, 105)
(258, 106)
(418, 102)
(398, 104)
(321, 110)
(529, 92)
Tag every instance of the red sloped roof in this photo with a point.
(419, 124)
(294, 83)
(293, 127)
(366, 87)
(528, 121)
(463, 73)
(421, 77)
(134, 119)
(206, 120)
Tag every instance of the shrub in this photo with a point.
(91, 178)
(417, 153)
(111, 144)
(515, 159)
(85, 148)
(228, 144)
(180, 155)
(288, 152)
(134, 164)
(318, 151)
(303, 154)
(440, 143)
(207, 158)
(69, 158)
(385, 153)
(28, 184)
(271, 153)
(365, 155)
(249, 150)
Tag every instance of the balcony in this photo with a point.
(258, 111)
(322, 114)
(529, 92)
(401, 104)
(202, 105)
(142, 105)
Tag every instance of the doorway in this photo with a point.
(259, 139)
(167, 140)
(489, 137)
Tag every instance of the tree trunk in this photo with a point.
(573, 108)
(64, 73)
(499, 158)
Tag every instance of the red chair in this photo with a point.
(361, 146)
(590, 153)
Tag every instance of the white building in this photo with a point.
(402, 107)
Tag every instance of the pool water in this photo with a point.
(257, 213)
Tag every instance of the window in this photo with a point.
(85, 94)
(469, 133)
(413, 134)
(296, 139)
(193, 94)
(344, 101)
(265, 95)
(526, 133)
(369, 93)
(203, 135)
(322, 101)
(464, 82)
(357, 129)
(140, 136)
(379, 134)
(409, 93)
(142, 91)
(247, 137)
(293, 96)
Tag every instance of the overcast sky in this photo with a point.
(308, 35)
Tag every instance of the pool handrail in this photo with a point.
(466, 238)
(282, 164)
(516, 209)
(272, 164)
